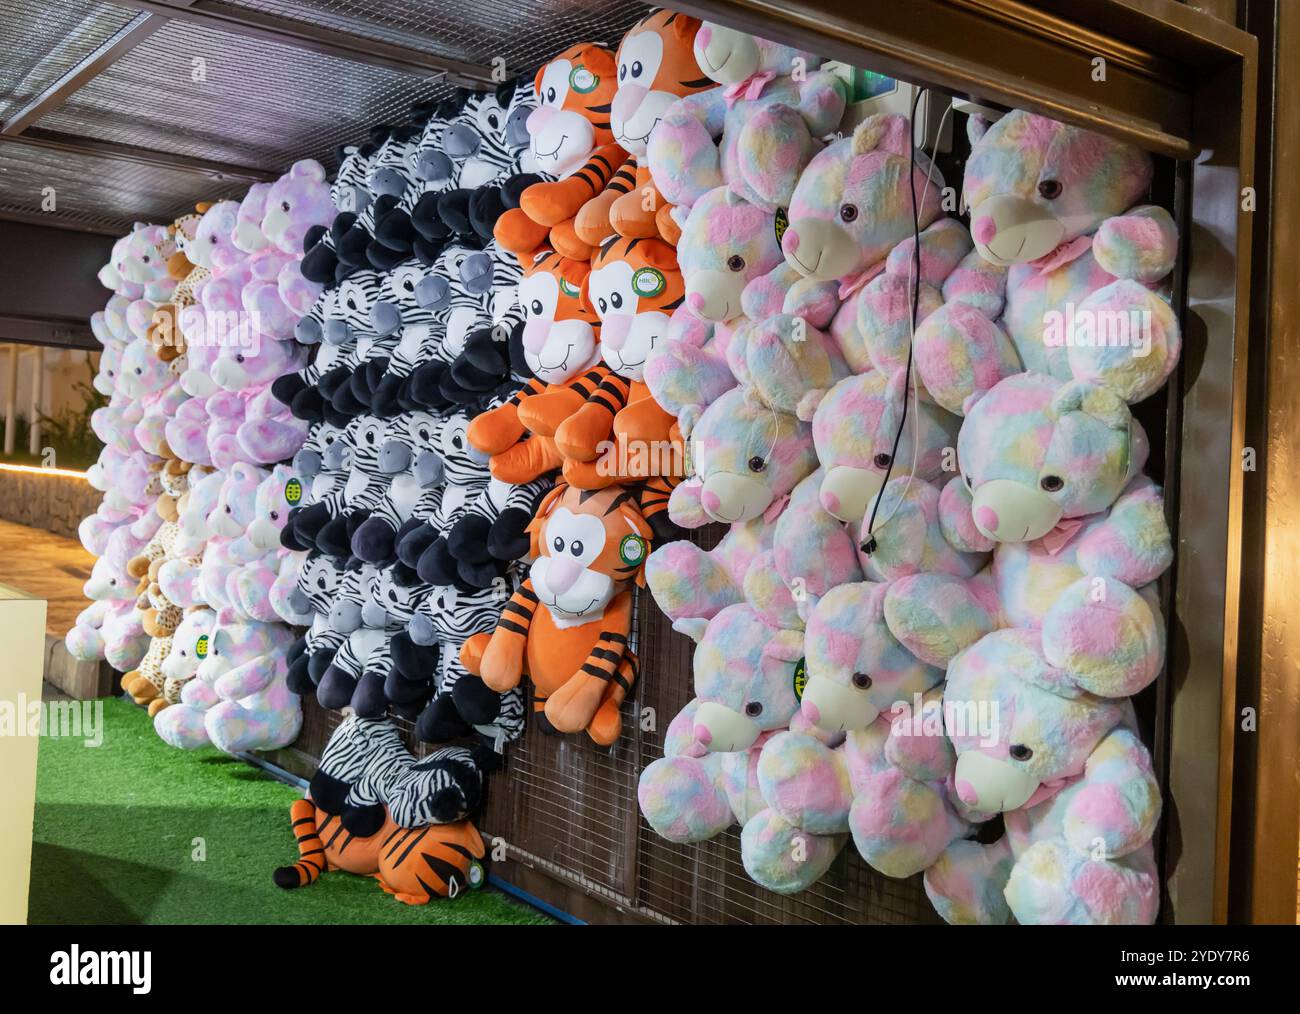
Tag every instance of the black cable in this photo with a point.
(869, 545)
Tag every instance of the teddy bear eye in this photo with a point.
(1051, 483)
(736, 263)
(275, 515)
(882, 460)
(1050, 189)
(617, 300)
(848, 213)
(576, 547)
(1020, 752)
(536, 307)
(550, 94)
(757, 464)
(558, 544)
(753, 709)
(284, 205)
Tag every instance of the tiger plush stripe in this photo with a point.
(588, 545)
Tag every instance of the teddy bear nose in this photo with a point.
(702, 735)
(811, 711)
(987, 518)
(966, 792)
(703, 36)
(984, 229)
(831, 503)
(790, 241)
(711, 501)
(695, 302)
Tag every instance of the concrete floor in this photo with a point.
(46, 566)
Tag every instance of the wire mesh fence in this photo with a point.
(566, 807)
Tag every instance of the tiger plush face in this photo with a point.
(559, 337)
(588, 545)
(634, 287)
(574, 92)
(656, 67)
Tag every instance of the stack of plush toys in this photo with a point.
(402, 440)
(896, 642)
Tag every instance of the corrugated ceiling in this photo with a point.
(204, 92)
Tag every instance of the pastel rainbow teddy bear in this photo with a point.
(746, 459)
(109, 628)
(1071, 777)
(1052, 484)
(238, 699)
(725, 244)
(756, 131)
(745, 667)
(1083, 267)
(887, 781)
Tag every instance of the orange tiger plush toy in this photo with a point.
(414, 865)
(571, 141)
(562, 348)
(588, 546)
(619, 432)
(656, 67)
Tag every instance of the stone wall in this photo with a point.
(47, 500)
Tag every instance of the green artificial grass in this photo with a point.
(120, 829)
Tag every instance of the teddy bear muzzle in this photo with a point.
(1013, 230)
(720, 729)
(724, 54)
(728, 497)
(991, 785)
(820, 249)
(835, 707)
(1008, 511)
(847, 492)
(561, 139)
(714, 295)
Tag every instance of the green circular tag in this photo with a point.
(781, 223)
(582, 80)
(477, 875)
(568, 288)
(648, 282)
(293, 491)
(201, 646)
(800, 679)
(632, 550)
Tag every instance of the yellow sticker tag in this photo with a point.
(293, 492)
(201, 646)
(800, 679)
(781, 223)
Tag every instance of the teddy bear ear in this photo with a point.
(694, 628)
(977, 125)
(808, 402)
(970, 401)
(308, 168)
(882, 132)
(1099, 402)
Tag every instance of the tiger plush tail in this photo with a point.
(311, 850)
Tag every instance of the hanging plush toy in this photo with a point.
(572, 144)
(656, 66)
(746, 667)
(567, 627)
(1085, 290)
(756, 131)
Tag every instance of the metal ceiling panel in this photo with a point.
(523, 32)
(97, 194)
(41, 40)
(198, 92)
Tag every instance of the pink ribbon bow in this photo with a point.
(848, 286)
(1063, 254)
(1056, 540)
(750, 88)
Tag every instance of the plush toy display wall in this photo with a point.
(486, 379)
